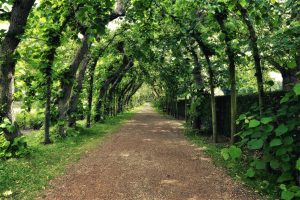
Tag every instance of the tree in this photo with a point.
(255, 53)
(221, 18)
(69, 76)
(8, 59)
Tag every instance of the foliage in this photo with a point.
(271, 143)
(8, 149)
(30, 120)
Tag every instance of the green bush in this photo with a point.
(36, 121)
(16, 148)
(4, 144)
(22, 119)
(272, 144)
(33, 120)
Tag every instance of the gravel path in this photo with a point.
(147, 159)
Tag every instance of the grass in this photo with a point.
(264, 185)
(24, 178)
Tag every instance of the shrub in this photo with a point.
(17, 148)
(22, 119)
(33, 120)
(272, 144)
(36, 121)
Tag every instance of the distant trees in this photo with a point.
(59, 79)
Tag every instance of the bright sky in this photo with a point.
(275, 76)
(114, 25)
(4, 25)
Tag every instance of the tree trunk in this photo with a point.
(207, 51)
(18, 20)
(127, 65)
(114, 79)
(289, 79)
(289, 76)
(90, 92)
(256, 56)
(132, 92)
(48, 106)
(212, 101)
(54, 41)
(297, 70)
(48, 74)
(122, 95)
(116, 105)
(200, 88)
(106, 103)
(221, 17)
(109, 102)
(67, 85)
(76, 92)
(91, 81)
(100, 102)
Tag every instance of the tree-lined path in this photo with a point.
(148, 158)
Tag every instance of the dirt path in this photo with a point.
(147, 159)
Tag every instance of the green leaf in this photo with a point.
(242, 117)
(285, 99)
(225, 154)
(297, 193)
(298, 164)
(285, 176)
(269, 128)
(254, 123)
(281, 151)
(250, 172)
(231, 6)
(288, 140)
(243, 3)
(292, 64)
(259, 164)
(281, 129)
(285, 166)
(275, 142)
(255, 144)
(266, 120)
(282, 186)
(274, 164)
(297, 89)
(234, 152)
(287, 195)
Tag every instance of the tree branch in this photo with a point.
(275, 64)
